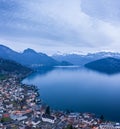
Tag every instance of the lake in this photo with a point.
(79, 90)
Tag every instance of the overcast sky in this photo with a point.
(60, 25)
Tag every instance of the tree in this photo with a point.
(69, 127)
(67, 111)
(47, 110)
(102, 118)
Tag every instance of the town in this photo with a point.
(21, 108)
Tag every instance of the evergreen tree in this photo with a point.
(102, 118)
(69, 127)
(47, 110)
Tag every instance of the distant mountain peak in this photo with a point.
(29, 50)
(28, 57)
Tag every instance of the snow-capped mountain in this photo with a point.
(78, 59)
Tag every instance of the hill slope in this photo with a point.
(7, 66)
(107, 65)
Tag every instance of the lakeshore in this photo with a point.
(77, 90)
(21, 108)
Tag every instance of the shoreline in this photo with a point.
(27, 106)
(70, 110)
(64, 110)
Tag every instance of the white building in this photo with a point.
(48, 118)
(35, 123)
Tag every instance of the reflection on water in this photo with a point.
(79, 89)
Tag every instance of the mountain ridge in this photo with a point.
(78, 59)
(28, 57)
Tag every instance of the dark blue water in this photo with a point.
(80, 90)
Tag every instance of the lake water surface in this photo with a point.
(79, 90)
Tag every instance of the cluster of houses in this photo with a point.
(18, 105)
(21, 108)
(110, 126)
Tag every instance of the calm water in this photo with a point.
(79, 89)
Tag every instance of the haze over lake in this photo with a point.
(79, 90)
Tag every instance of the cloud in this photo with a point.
(107, 10)
(78, 24)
